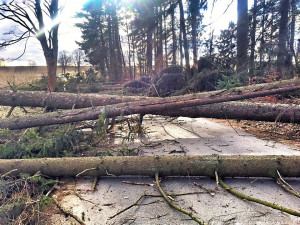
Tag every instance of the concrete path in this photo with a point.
(188, 137)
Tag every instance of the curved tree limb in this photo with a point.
(173, 205)
(259, 201)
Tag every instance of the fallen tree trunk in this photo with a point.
(61, 100)
(152, 106)
(242, 111)
(226, 165)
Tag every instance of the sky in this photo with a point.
(69, 34)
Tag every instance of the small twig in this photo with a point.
(9, 172)
(68, 213)
(190, 214)
(249, 198)
(217, 179)
(128, 207)
(94, 184)
(211, 192)
(137, 183)
(10, 111)
(286, 186)
(85, 171)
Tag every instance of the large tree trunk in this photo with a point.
(62, 100)
(225, 165)
(241, 111)
(283, 35)
(229, 110)
(242, 39)
(153, 106)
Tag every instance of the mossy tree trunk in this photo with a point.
(226, 166)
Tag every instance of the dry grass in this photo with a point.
(26, 74)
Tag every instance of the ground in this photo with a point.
(183, 136)
(180, 136)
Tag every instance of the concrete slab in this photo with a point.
(187, 137)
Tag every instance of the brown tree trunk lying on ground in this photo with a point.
(62, 100)
(241, 111)
(153, 106)
(226, 165)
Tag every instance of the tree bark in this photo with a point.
(230, 110)
(61, 100)
(241, 111)
(242, 38)
(153, 106)
(185, 42)
(253, 42)
(283, 35)
(174, 42)
(226, 165)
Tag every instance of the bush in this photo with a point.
(228, 82)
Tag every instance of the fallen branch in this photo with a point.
(152, 107)
(286, 186)
(228, 165)
(173, 205)
(125, 209)
(262, 202)
(61, 100)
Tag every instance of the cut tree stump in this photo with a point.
(152, 106)
(226, 165)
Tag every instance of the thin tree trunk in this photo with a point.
(159, 51)
(226, 165)
(283, 35)
(180, 48)
(262, 39)
(194, 14)
(166, 36)
(185, 42)
(292, 38)
(242, 39)
(253, 41)
(174, 43)
(149, 50)
(153, 106)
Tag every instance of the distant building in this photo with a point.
(2, 62)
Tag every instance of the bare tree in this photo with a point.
(64, 59)
(30, 16)
(78, 58)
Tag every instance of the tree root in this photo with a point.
(269, 204)
(190, 214)
(68, 213)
